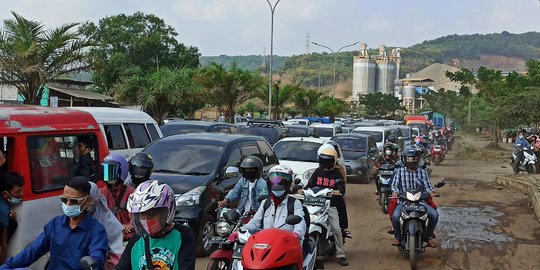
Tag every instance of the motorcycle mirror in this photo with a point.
(231, 215)
(262, 198)
(87, 262)
(297, 181)
(293, 220)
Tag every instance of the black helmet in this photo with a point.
(391, 139)
(140, 167)
(251, 162)
(411, 156)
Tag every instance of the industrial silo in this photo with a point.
(409, 91)
(386, 76)
(364, 76)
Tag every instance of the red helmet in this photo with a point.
(272, 248)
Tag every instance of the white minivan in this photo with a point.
(126, 131)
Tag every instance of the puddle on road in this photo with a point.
(471, 227)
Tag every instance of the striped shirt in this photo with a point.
(404, 179)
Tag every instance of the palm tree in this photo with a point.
(330, 107)
(31, 56)
(306, 100)
(228, 88)
(280, 96)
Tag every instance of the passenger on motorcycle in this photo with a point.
(326, 176)
(249, 188)
(141, 167)
(388, 156)
(274, 216)
(391, 140)
(411, 176)
(521, 143)
(340, 164)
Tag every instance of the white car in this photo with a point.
(326, 131)
(300, 154)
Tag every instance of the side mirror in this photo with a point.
(231, 215)
(297, 181)
(440, 184)
(232, 172)
(293, 220)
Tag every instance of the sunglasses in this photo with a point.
(73, 201)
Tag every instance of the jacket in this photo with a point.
(241, 191)
(274, 218)
(522, 143)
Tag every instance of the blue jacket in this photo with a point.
(67, 246)
(241, 190)
(521, 143)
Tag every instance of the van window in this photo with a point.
(220, 129)
(137, 135)
(153, 131)
(6, 150)
(250, 149)
(115, 137)
(268, 156)
(53, 160)
(235, 158)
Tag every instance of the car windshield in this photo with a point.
(325, 132)
(188, 159)
(405, 132)
(299, 131)
(377, 135)
(269, 133)
(297, 151)
(169, 130)
(351, 147)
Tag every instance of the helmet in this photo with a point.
(272, 249)
(251, 162)
(391, 139)
(151, 195)
(411, 157)
(280, 178)
(140, 167)
(115, 168)
(335, 145)
(327, 158)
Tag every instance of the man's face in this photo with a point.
(83, 150)
(74, 197)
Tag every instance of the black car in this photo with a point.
(184, 127)
(360, 152)
(302, 131)
(200, 168)
(273, 131)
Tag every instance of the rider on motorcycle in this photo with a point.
(521, 143)
(141, 166)
(388, 156)
(279, 180)
(391, 140)
(411, 176)
(249, 188)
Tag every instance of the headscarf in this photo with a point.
(104, 215)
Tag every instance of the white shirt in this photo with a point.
(248, 204)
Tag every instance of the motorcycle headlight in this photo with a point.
(223, 228)
(191, 197)
(414, 197)
(308, 174)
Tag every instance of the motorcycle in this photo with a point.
(528, 162)
(437, 153)
(274, 249)
(385, 190)
(413, 220)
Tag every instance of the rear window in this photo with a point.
(153, 131)
(115, 137)
(137, 135)
(269, 133)
(297, 151)
(325, 132)
(172, 158)
(351, 147)
(299, 132)
(377, 135)
(405, 132)
(169, 130)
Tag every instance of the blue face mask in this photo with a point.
(14, 201)
(278, 193)
(71, 210)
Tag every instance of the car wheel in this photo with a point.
(205, 233)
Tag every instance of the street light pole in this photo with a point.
(272, 9)
(335, 60)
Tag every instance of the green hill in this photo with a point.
(248, 62)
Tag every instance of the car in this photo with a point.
(406, 134)
(184, 127)
(327, 130)
(379, 133)
(303, 131)
(360, 153)
(302, 122)
(201, 167)
(273, 131)
(300, 154)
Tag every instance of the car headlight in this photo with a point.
(307, 174)
(414, 197)
(191, 197)
(223, 228)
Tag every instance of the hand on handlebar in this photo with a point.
(222, 203)
(395, 195)
(336, 193)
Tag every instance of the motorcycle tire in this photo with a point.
(206, 227)
(413, 255)
(437, 161)
(383, 200)
(218, 264)
(531, 169)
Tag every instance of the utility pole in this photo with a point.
(272, 10)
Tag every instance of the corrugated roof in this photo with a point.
(83, 94)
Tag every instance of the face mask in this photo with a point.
(521, 136)
(71, 210)
(249, 175)
(278, 193)
(12, 200)
(389, 152)
(152, 227)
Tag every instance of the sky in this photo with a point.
(242, 27)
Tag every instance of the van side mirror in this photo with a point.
(232, 172)
(293, 220)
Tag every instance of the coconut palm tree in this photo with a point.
(31, 55)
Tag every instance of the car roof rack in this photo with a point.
(265, 123)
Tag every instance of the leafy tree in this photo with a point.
(32, 55)
(140, 40)
(379, 105)
(280, 96)
(330, 107)
(306, 100)
(449, 103)
(160, 92)
(228, 88)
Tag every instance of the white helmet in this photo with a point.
(280, 175)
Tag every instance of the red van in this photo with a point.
(41, 144)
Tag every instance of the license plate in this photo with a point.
(413, 207)
(315, 201)
(237, 253)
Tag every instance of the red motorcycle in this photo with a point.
(438, 153)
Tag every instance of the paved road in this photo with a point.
(481, 227)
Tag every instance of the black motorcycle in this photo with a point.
(385, 186)
(413, 220)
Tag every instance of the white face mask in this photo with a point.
(521, 136)
(389, 152)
